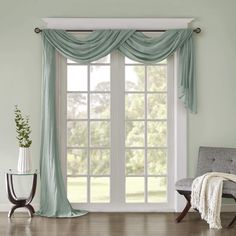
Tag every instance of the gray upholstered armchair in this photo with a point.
(210, 159)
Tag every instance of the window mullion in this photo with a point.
(89, 138)
(145, 141)
(171, 130)
(117, 129)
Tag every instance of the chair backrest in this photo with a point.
(216, 159)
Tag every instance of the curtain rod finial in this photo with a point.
(37, 30)
(197, 30)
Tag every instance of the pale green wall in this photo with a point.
(20, 65)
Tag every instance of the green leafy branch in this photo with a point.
(22, 128)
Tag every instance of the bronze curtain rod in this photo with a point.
(37, 30)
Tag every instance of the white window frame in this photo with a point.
(180, 114)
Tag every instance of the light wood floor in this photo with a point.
(112, 224)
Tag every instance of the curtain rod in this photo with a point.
(38, 30)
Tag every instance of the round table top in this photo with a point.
(16, 172)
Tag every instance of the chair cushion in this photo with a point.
(184, 184)
(229, 187)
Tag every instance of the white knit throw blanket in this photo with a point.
(207, 194)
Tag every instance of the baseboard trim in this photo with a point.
(224, 208)
(7, 207)
(228, 208)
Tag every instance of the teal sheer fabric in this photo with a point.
(53, 200)
(136, 46)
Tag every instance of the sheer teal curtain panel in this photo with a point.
(53, 200)
(136, 46)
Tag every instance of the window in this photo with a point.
(118, 133)
(146, 131)
(88, 131)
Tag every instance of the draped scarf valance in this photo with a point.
(133, 44)
(136, 46)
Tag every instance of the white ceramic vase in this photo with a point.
(24, 160)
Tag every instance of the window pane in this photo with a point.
(99, 78)
(100, 106)
(163, 62)
(134, 189)
(100, 162)
(77, 189)
(100, 133)
(129, 61)
(100, 189)
(156, 78)
(157, 106)
(76, 106)
(70, 61)
(104, 60)
(77, 78)
(134, 162)
(157, 134)
(134, 134)
(157, 161)
(134, 78)
(77, 133)
(134, 106)
(157, 189)
(77, 161)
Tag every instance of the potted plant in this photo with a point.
(23, 131)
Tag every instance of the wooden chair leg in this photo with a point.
(185, 210)
(234, 219)
(232, 222)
